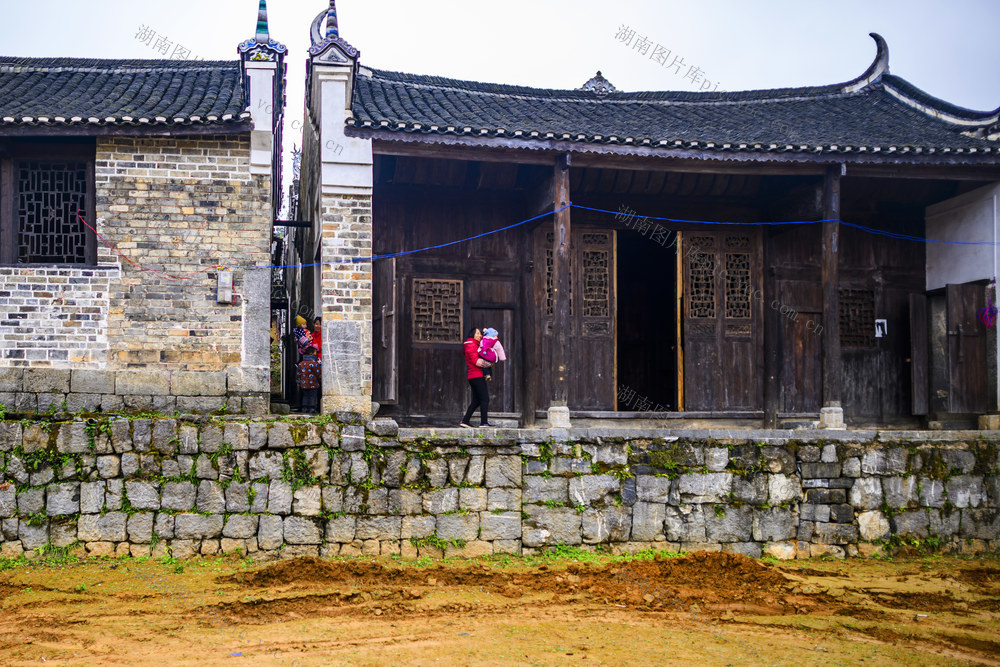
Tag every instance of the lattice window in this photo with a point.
(737, 242)
(738, 285)
(550, 277)
(49, 195)
(857, 318)
(437, 311)
(701, 242)
(596, 283)
(701, 292)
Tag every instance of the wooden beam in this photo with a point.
(531, 349)
(832, 368)
(542, 197)
(680, 159)
(958, 172)
(560, 282)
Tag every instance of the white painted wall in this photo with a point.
(974, 216)
(261, 107)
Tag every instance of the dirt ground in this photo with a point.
(569, 608)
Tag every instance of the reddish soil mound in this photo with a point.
(306, 571)
(719, 580)
(713, 580)
(985, 576)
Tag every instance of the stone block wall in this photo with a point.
(278, 489)
(347, 303)
(235, 390)
(182, 207)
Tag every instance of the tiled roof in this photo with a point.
(75, 92)
(884, 115)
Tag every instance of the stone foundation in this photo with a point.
(236, 390)
(283, 488)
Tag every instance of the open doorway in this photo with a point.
(647, 323)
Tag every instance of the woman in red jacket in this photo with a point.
(480, 392)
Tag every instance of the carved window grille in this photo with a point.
(49, 195)
(738, 285)
(550, 277)
(737, 243)
(701, 292)
(857, 318)
(701, 242)
(437, 311)
(596, 283)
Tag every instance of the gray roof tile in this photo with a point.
(813, 119)
(124, 91)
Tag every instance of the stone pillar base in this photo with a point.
(832, 418)
(989, 422)
(360, 405)
(559, 417)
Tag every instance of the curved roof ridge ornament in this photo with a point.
(320, 39)
(875, 71)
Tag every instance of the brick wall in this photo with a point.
(54, 316)
(179, 206)
(347, 303)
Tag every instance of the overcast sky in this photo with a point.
(948, 48)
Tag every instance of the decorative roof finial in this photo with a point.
(332, 29)
(599, 85)
(261, 46)
(262, 36)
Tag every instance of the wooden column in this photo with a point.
(561, 275)
(832, 414)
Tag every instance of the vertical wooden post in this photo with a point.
(832, 413)
(561, 276)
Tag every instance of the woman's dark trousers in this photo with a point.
(480, 399)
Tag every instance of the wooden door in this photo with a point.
(919, 371)
(722, 321)
(591, 354)
(967, 372)
(385, 375)
(801, 349)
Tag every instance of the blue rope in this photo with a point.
(869, 230)
(471, 238)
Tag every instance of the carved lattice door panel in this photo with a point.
(722, 321)
(591, 354)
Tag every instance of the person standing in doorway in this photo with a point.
(317, 337)
(480, 392)
(307, 375)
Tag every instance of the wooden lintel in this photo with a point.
(693, 160)
(958, 172)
